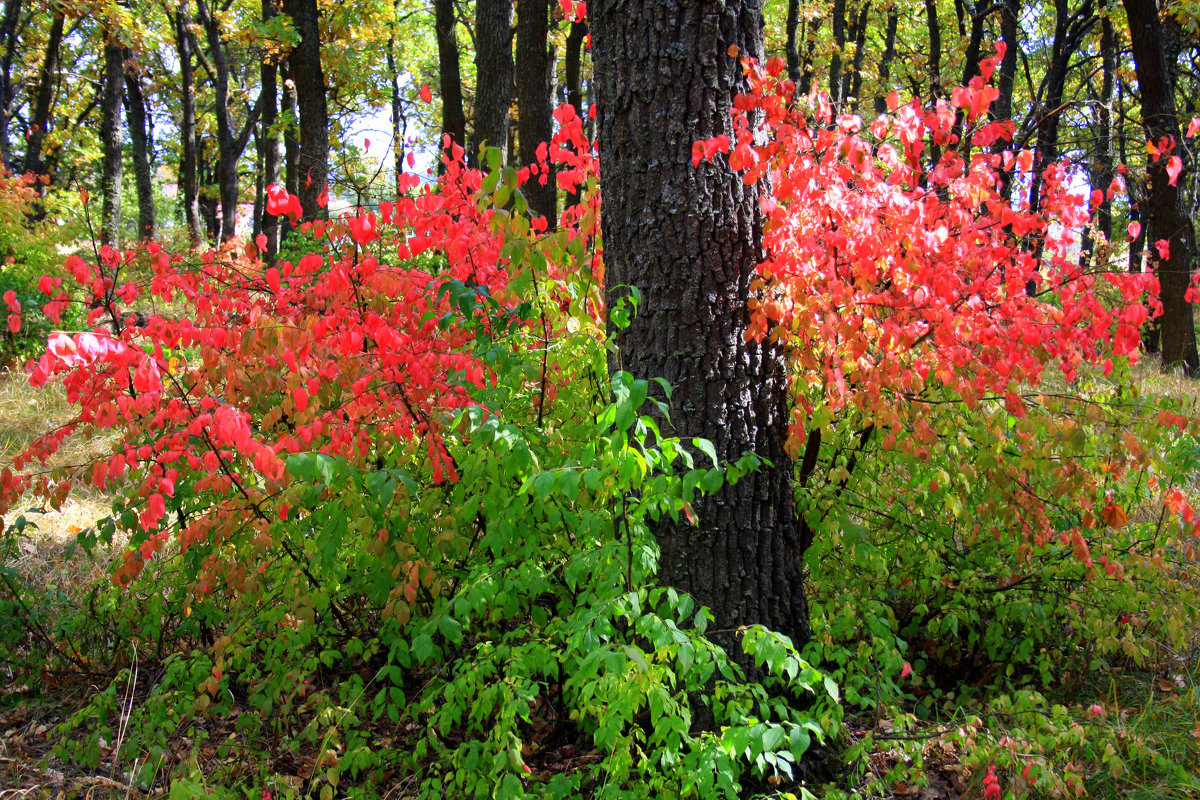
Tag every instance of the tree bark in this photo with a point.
(689, 239)
(35, 159)
(792, 47)
(139, 137)
(312, 103)
(1167, 202)
(885, 63)
(573, 66)
(189, 186)
(110, 138)
(535, 104)
(269, 138)
(494, 76)
(454, 120)
(8, 40)
(933, 62)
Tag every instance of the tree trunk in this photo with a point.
(839, 44)
(8, 40)
(852, 84)
(35, 159)
(494, 76)
(535, 104)
(189, 186)
(1167, 202)
(792, 48)
(574, 65)
(291, 144)
(110, 139)
(933, 62)
(139, 138)
(1010, 31)
(454, 120)
(312, 103)
(885, 64)
(689, 239)
(399, 123)
(269, 138)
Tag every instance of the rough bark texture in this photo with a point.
(312, 103)
(535, 102)
(110, 138)
(454, 120)
(1167, 202)
(689, 239)
(189, 195)
(139, 138)
(792, 48)
(494, 71)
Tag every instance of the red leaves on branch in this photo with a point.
(350, 350)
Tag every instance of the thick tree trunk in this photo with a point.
(189, 186)
(312, 102)
(535, 103)
(454, 120)
(35, 159)
(8, 41)
(139, 137)
(494, 76)
(1167, 202)
(110, 139)
(689, 239)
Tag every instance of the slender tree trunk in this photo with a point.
(689, 239)
(227, 153)
(535, 104)
(974, 43)
(792, 48)
(1105, 159)
(811, 35)
(399, 120)
(574, 64)
(139, 137)
(8, 41)
(1167, 201)
(885, 64)
(838, 18)
(312, 102)
(852, 86)
(494, 75)
(454, 120)
(35, 159)
(189, 189)
(291, 144)
(269, 138)
(933, 62)
(1010, 31)
(110, 138)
